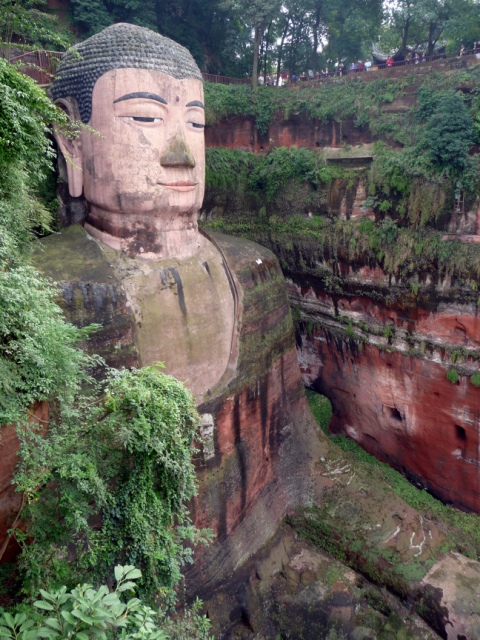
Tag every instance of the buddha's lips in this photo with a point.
(182, 185)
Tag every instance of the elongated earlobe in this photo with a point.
(72, 151)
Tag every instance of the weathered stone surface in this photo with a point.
(249, 471)
(455, 581)
(384, 369)
(299, 131)
(90, 294)
(293, 587)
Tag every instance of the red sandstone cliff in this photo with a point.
(401, 407)
(10, 500)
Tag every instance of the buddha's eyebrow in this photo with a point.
(141, 94)
(195, 103)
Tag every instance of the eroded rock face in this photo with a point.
(241, 133)
(384, 368)
(454, 582)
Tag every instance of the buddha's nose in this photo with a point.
(177, 154)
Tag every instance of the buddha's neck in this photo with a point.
(154, 238)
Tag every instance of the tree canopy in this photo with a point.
(231, 37)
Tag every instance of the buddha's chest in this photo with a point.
(184, 315)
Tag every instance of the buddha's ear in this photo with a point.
(71, 149)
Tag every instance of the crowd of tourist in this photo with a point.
(340, 69)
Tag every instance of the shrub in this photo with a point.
(449, 132)
(453, 376)
(475, 379)
(112, 479)
(89, 612)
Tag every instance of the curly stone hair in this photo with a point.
(120, 46)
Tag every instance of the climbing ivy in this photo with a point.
(111, 479)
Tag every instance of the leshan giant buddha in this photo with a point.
(143, 177)
(213, 308)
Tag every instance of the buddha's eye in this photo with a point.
(143, 119)
(196, 125)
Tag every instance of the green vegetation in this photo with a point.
(462, 529)
(321, 408)
(337, 101)
(112, 478)
(89, 612)
(448, 133)
(234, 37)
(475, 379)
(350, 546)
(403, 252)
(289, 198)
(453, 376)
(263, 177)
(38, 355)
(26, 24)
(242, 38)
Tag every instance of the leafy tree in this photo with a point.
(309, 34)
(94, 15)
(256, 14)
(449, 133)
(207, 29)
(26, 22)
(463, 25)
(425, 23)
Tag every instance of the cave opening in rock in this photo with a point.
(394, 413)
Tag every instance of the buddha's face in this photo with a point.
(149, 155)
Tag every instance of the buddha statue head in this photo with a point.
(142, 168)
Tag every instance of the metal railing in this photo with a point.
(383, 65)
(40, 65)
(212, 77)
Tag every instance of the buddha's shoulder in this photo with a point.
(246, 258)
(72, 255)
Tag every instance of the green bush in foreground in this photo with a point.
(86, 612)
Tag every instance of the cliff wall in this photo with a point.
(380, 261)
